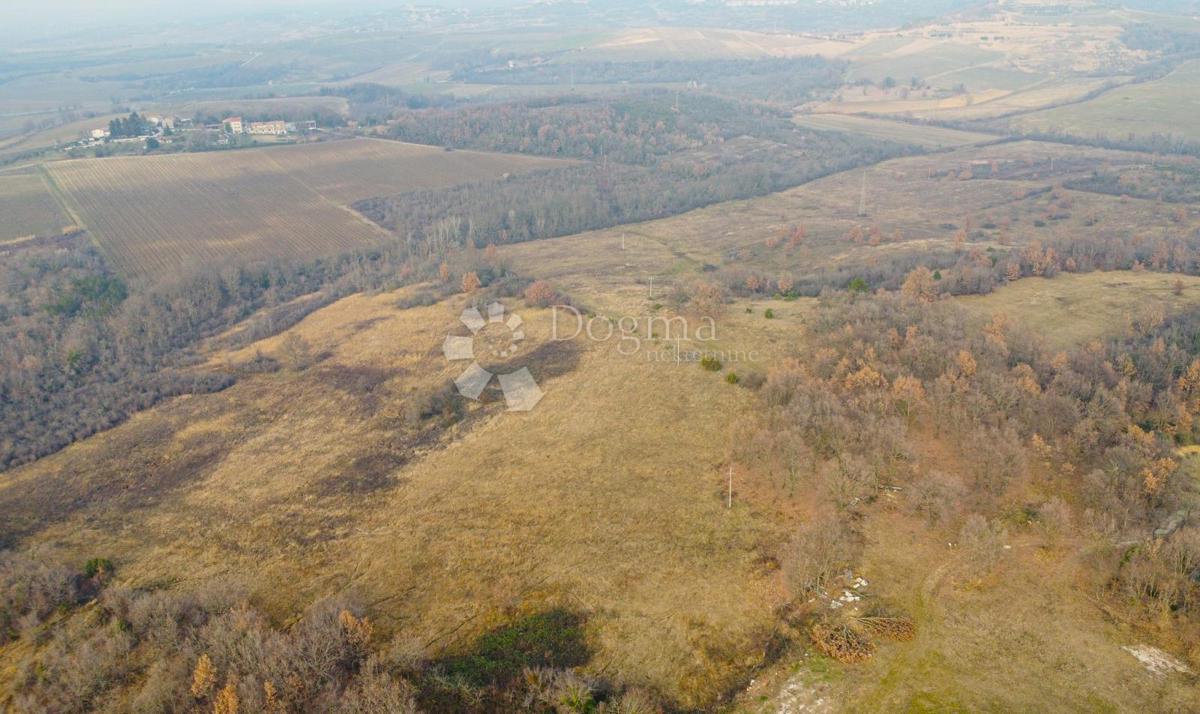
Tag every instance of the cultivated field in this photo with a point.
(28, 208)
(288, 107)
(349, 171)
(167, 213)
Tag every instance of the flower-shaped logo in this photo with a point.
(521, 392)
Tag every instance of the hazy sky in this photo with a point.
(21, 19)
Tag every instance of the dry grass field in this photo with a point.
(1070, 310)
(708, 43)
(580, 503)
(923, 200)
(28, 207)
(52, 137)
(1166, 106)
(167, 213)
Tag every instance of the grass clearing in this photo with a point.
(922, 198)
(578, 504)
(1166, 106)
(1072, 309)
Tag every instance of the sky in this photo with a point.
(24, 19)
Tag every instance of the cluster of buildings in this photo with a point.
(155, 125)
(235, 125)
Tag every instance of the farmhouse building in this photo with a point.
(273, 128)
(233, 125)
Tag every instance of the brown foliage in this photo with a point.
(470, 282)
(841, 642)
(227, 701)
(540, 294)
(920, 285)
(900, 628)
(204, 676)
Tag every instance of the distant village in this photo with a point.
(156, 129)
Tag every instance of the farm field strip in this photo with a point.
(163, 213)
(158, 215)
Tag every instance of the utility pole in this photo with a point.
(729, 499)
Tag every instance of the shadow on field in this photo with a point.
(491, 673)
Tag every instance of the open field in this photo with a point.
(28, 207)
(708, 43)
(1070, 310)
(160, 215)
(166, 213)
(978, 102)
(918, 204)
(979, 639)
(66, 133)
(349, 171)
(927, 136)
(288, 107)
(579, 503)
(1166, 106)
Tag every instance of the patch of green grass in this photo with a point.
(548, 639)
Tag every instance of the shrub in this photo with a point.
(540, 294)
(732, 378)
(710, 363)
(753, 380)
(98, 566)
(821, 549)
(769, 314)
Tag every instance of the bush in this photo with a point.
(769, 314)
(732, 378)
(710, 363)
(821, 549)
(98, 566)
(753, 380)
(540, 294)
